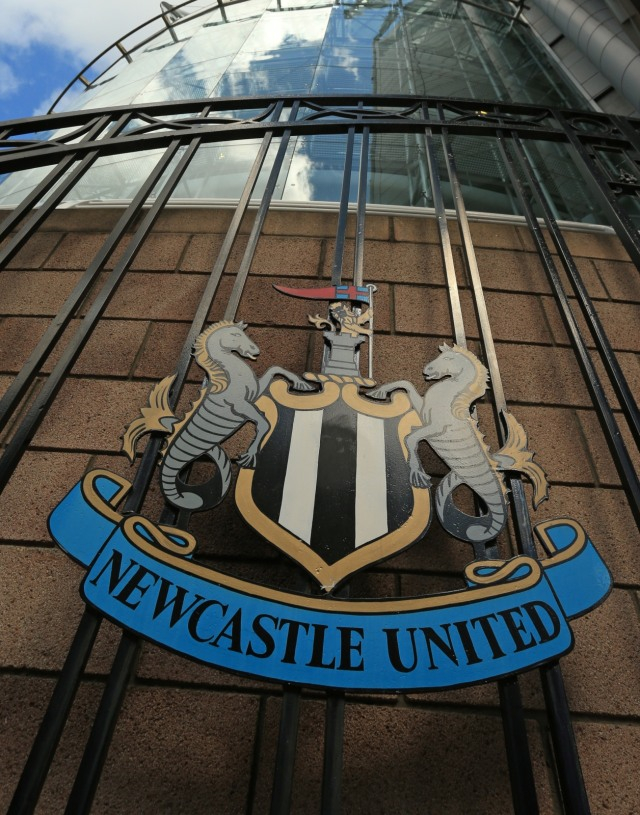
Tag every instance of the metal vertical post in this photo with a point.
(574, 793)
(523, 788)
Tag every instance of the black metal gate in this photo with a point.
(179, 130)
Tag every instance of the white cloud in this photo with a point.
(9, 82)
(43, 106)
(79, 27)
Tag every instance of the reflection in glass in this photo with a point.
(440, 48)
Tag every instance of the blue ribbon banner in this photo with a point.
(512, 615)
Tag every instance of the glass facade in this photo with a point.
(257, 47)
(425, 47)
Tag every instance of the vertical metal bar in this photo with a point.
(333, 758)
(95, 753)
(336, 272)
(519, 503)
(618, 380)
(123, 668)
(358, 260)
(331, 800)
(39, 215)
(358, 257)
(46, 741)
(223, 13)
(516, 743)
(147, 465)
(574, 793)
(361, 210)
(629, 132)
(523, 788)
(599, 185)
(289, 721)
(343, 210)
(286, 752)
(622, 459)
(263, 209)
(47, 342)
(445, 238)
(124, 51)
(169, 26)
(36, 413)
(331, 803)
(372, 290)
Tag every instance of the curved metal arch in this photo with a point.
(32, 142)
(169, 23)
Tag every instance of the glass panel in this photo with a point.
(218, 41)
(219, 171)
(188, 28)
(567, 193)
(112, 95)
(16, 186)
(484, 181)
(244, 11)
(424, 47)
(280, 53)
(316, 168)
(116, 177)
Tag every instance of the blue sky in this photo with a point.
(44, 43)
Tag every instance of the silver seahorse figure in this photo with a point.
(226, 402)
(453, 433)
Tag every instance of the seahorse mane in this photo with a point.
(474, 390)
(216, 373)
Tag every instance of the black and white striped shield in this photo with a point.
(331, 484)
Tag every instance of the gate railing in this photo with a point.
(179, 130)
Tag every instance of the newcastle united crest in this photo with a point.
(333, 478)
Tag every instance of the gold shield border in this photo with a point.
(329, 576)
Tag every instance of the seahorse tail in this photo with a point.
(196, 497)
(470, 528)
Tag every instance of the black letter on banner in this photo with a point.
(116, 575)
(488, 632)
(467, 643)
(264, 635)
(133, 584)
(176, 602)
(317, 651)
(235, 623)
(292, 639)
(394, 649)
(346, 647)
(517, 630)
(192, 625)
(532, 611)
(447, 649)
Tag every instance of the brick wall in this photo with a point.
(192, 739)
